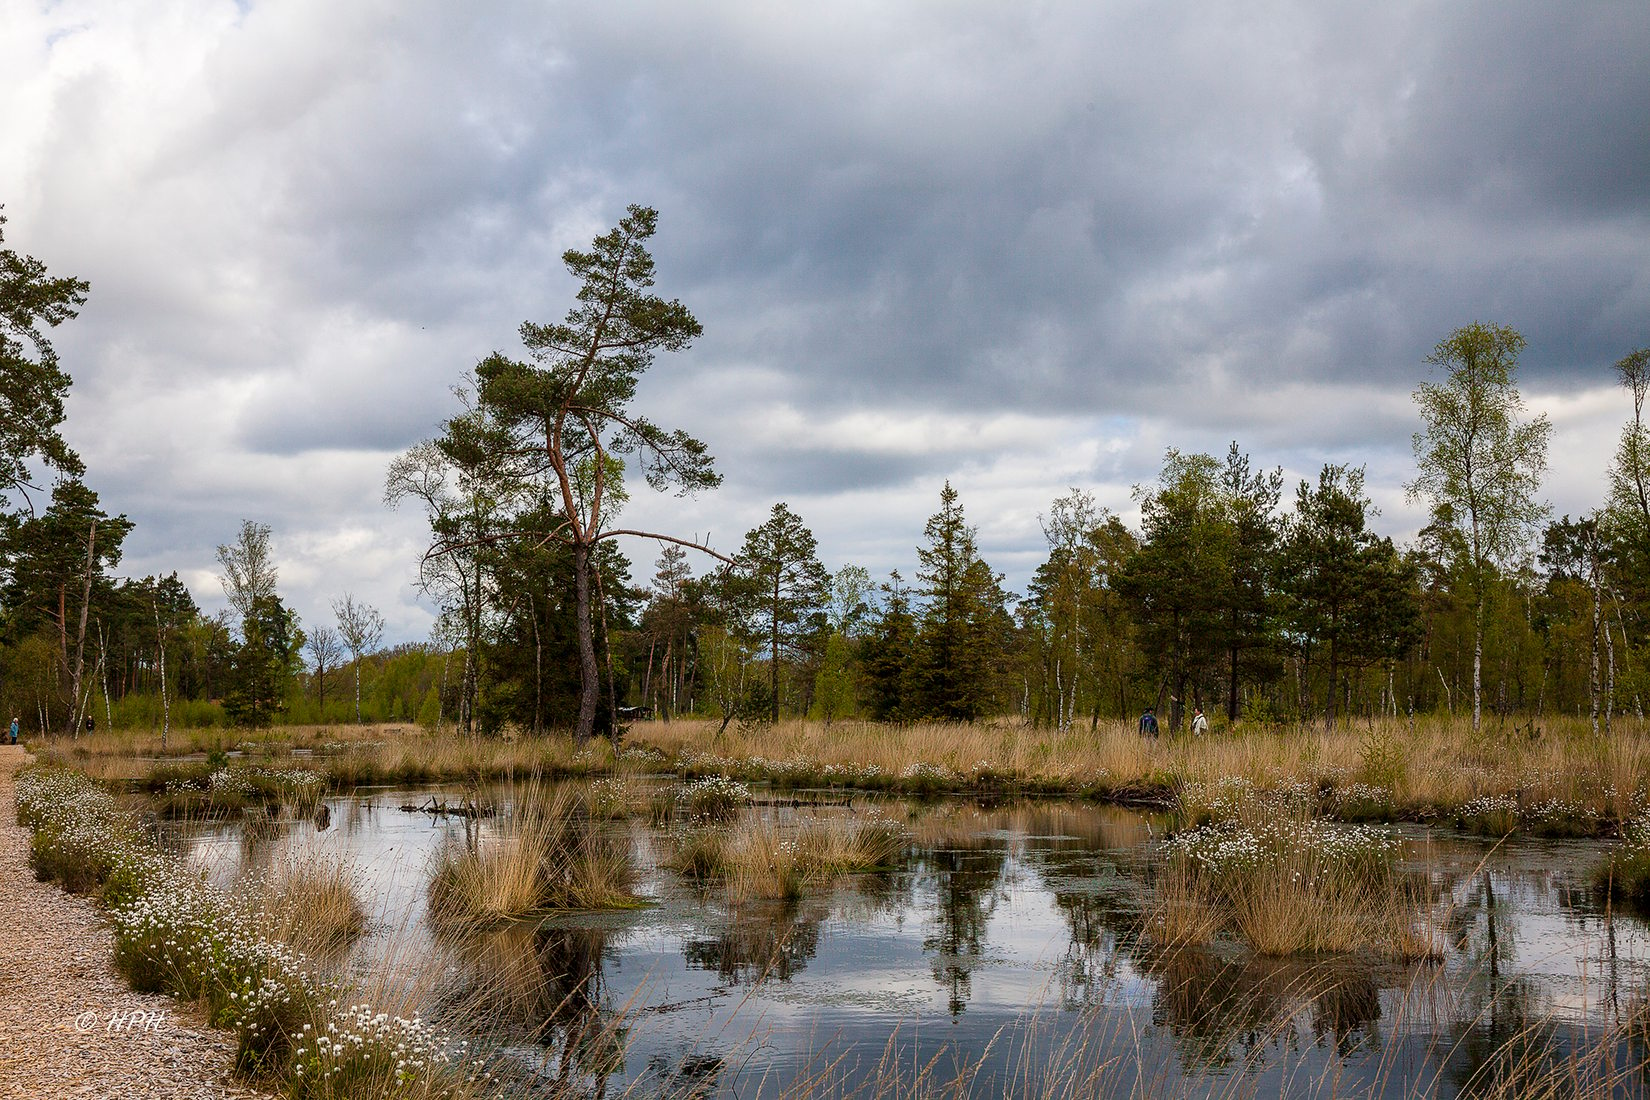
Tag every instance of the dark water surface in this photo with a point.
(1005, 948)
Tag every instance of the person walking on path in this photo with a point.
(1200, 724)
(15, 727)
(1148, 724)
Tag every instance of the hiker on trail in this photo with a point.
(1148, 724)
(1200, 724)
(15, 726)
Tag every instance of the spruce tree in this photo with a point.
(965, 623)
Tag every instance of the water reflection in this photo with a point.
(539, 986)
(1005, 924)
(967, 885)
(760, 940)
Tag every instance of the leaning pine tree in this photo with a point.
(557, 424)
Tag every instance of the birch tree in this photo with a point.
(361, 627)
(1480, 460)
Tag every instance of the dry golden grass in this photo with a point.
(762, 858)
(1184, 913)
(548, 856)
(1285, 883)
(1439, 764)
(309, 902)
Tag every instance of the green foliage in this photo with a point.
(265, 665)
(1350, 596)
(889, 668)
(787, 590)
(965, 627)
(1080, 649)
(1479, 464)
(834, 683)
(1383, 759)
(546, 431)
(1186, 544)
(32, 384)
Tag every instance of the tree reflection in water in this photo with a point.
(761, 940)
(966, 881)
(1089, 966)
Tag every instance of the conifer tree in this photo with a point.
(789, 587)
(965, 624)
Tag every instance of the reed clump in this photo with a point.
(1625, 873)
(550, 855)
(761, 858)
(708, 800)
(309, 901)
(1283, 881)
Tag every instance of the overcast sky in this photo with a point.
(1023, 246)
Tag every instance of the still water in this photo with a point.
(1003, 951)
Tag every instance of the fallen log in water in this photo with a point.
(440, 808)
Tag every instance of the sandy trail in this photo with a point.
(69, 1026)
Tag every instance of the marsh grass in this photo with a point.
(759, 857)
(1283, 881)
(548, 855)
(309, 902)
(1389, 770)
(1624, 874)
(1378, 769)
(708, 800)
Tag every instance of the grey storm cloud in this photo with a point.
(1042, 242)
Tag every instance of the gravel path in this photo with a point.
(69, 1026)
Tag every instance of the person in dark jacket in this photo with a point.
(1148, 723)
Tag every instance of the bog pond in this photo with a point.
(1001, 954)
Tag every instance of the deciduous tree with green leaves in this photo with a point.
(1480, 461)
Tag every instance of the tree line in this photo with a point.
(1236, 593)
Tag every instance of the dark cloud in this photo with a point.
(1135, 226)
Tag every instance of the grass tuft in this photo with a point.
(550, 855)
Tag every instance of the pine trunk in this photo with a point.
(589, 670)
